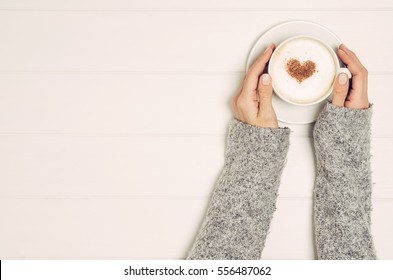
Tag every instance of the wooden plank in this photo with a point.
(149, 228)
(382, 229)
(291, 233)
(193, 5)
(140, 103)
(168, 41)
(165, 166)
(103, 228)
(119, 166)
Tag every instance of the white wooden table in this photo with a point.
(113, 117)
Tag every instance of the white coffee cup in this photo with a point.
(304, 90)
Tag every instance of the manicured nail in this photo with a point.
(265, 79)
(342, 79)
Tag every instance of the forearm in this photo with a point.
(244, 199)
(342, 194)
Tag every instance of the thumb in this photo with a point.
(340, 90)
(265, 90)
(266, 114)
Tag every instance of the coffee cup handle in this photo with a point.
(344, 70)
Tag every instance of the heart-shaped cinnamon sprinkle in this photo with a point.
(300, 71)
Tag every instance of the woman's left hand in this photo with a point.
(356, 97)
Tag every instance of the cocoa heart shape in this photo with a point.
(300, 71)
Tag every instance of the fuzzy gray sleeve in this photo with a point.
(342, 193)
(244, 198)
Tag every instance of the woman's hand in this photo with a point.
(357, 97)
(252, 104)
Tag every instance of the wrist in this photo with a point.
(256, 143)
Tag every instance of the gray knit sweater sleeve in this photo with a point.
(342, 194)
(244, 198)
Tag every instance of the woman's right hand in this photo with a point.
(256, 86)
(357, 97)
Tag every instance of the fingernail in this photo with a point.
(267, 49)
(345, 47)
(342, 79)
(265, 79)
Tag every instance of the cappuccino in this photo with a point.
(303, 70)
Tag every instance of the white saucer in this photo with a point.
(287, 112)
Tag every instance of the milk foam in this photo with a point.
(312, 88)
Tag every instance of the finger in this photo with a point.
(266, 113)
(353, 65)
(265, 90)
(257, 67)
(350, 53)
(340, 90)
(252, 75)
